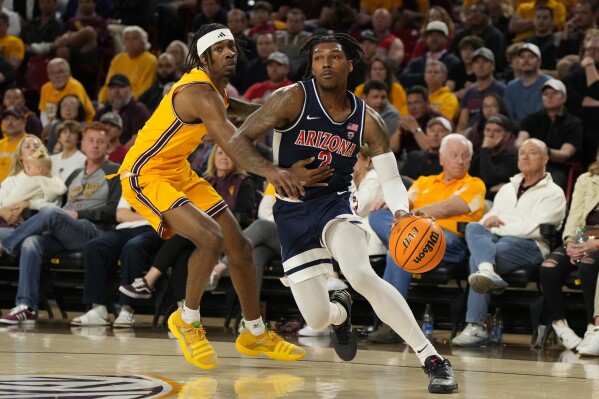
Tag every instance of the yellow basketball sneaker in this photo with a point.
(192, 339)
(270, 344)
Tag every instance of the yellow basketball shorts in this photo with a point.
(152, 195)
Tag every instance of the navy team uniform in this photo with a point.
(301, 224)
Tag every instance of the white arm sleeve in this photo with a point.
(394, 190)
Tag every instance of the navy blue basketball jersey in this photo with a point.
(314, 133)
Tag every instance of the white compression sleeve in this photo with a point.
(394, 191)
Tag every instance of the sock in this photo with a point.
(126, 308)
(100, 310)
(425, 351)
(338, 313)
(190, 315)
(486, 266)
(256, 327)
(559, 323)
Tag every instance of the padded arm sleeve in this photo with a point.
(394, 190)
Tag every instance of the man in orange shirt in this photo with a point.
(450, 197)
(14, 131)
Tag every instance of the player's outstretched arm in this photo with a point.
(384, 162)
(241, 109)
(282, 107)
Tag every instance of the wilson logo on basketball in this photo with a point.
(428, 247)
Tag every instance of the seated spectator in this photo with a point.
(255, 70)
(521, 23)
(179, 51)
(410, 134)
(508, 237)
(13, 19)
(38, 188)
(436, 39)
(13, 120)
(512, 70)
(290, 40)
(61, 83)
(114, 123)
(12, 216)
(496, 161)
(543, 37)
(120, 100)
(556, 127)
(12, 47)
(440, 97)
(69, 108)
(584, 211)
(375, 96)
(572, 36)
(261, 19)
(277, 69)
(237, 22)
(70, 158)
(211, 11)
(380, 69)
(165, 73)
(233, 184)
(523, 95)
(426, 162)
(435, 13)
(13, 96)
(461, 76)
(450, 197)
(492, 104)
(137, 63)
(171, 17)
(90, 205)
(129, 245)
(478, 22)
(368, 41)
(389, 46)
(44, 28)
(483, 65)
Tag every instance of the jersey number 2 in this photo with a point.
(326, 157)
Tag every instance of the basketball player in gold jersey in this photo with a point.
(158, 182)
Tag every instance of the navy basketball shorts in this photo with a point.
(301, 227)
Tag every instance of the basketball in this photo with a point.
(417, 244)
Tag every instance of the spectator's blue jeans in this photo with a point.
(132, 246)
(380, 221)
(49, 231)
(505, 252)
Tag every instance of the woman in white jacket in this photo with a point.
(584, 211)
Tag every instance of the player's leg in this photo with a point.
(190, 222)
(254, 339)
(386, 301)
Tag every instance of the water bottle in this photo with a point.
(497, 327)
(580, 237)
(427, 322)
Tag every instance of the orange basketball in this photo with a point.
(417, 244)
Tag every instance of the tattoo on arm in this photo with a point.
(376, 133)
(240, 108)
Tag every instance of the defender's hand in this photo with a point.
(311, 177)
(286, 183)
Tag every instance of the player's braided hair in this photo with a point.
(193, 59)
(352, 49)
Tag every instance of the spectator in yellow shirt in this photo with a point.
(62, 83)
(521, 22)
(11, 47)
(137, 63)
(440, 97)
(14, 131)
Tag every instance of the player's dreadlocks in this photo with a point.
(352, 49)
(193, 59)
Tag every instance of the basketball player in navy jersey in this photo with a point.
(318, 117)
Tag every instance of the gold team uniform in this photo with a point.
(156, 175)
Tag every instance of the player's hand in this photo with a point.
(286, 183)
(311, 177)
(400, 215)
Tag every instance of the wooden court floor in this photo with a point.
(53, 360)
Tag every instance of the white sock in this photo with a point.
(100, 310)
(256, 327)
(190, 315)
(425, 351)
(486, 266)
(338, 313)
(127, 308)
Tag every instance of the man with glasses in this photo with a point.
(450, 197)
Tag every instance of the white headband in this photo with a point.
(210, 38)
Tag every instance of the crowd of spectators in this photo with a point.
(472, 93)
